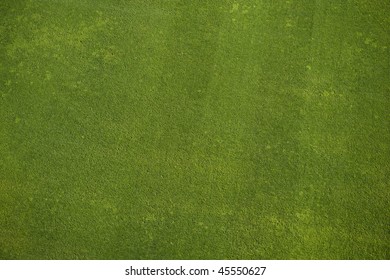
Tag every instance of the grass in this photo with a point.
(194, 129)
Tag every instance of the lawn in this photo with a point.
(183, 129)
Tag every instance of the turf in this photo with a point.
(194, 129)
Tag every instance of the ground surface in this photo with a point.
(194, 129)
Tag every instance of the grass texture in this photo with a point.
(184, 129)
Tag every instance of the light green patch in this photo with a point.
(235, 7)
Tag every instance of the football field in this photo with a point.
(189, 129)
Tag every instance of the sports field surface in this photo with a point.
(172, 129)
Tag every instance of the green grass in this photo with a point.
(194, 129)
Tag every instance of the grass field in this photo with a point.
(194, 129)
